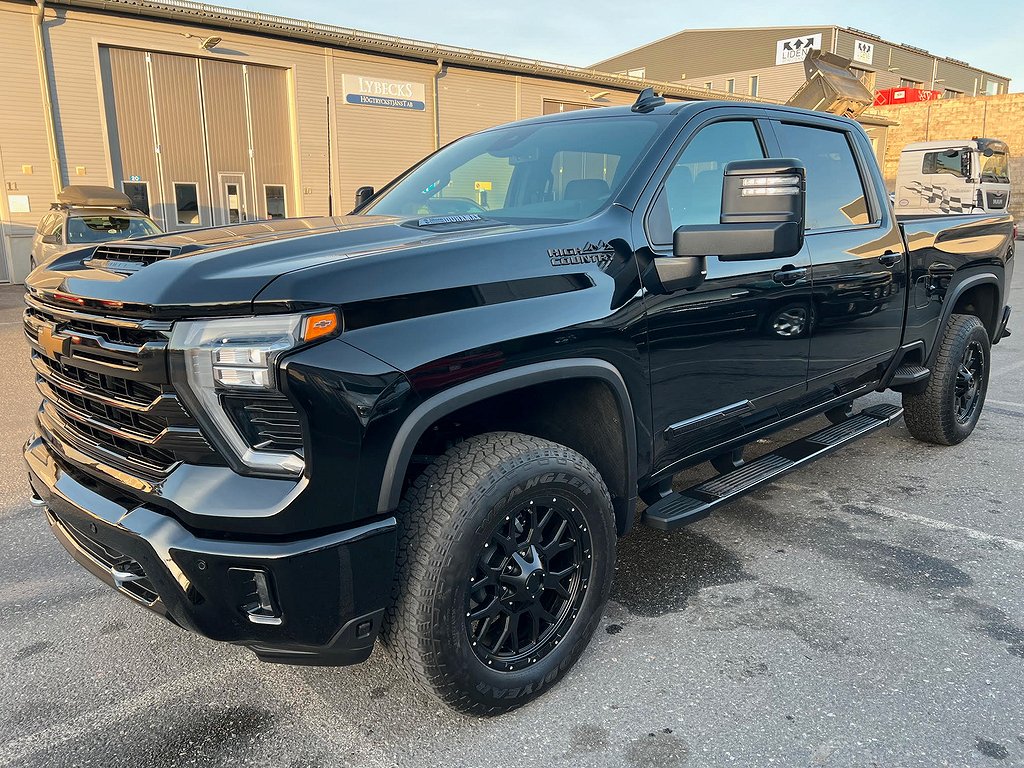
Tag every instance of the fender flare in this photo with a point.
(952, 295)
(461, 395)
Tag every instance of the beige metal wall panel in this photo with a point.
(270, 114)
(533, 92)
(776, 83)
(133, 145)
(697, 53)
(79, 33)
(78, 104)
(227, 134)
(375, 144)
(471, 101)
(180, 129)
(22, 142)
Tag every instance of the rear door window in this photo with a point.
(835, 190)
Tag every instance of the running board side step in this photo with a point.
(685, 507)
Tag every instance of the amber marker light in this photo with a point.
(319, 325)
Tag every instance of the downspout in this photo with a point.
(44, 85)
(437, 104)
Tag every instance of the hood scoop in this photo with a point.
(127, 259)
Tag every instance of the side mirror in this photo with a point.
(363, 195)
(51, 239)
(763, 204)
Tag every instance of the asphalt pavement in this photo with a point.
(865, 611)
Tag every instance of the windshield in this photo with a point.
(97, 229)
(995, 168)
(558, 171)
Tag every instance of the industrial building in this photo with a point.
(767, 62)
(205, 115)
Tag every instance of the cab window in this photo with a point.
(951, 162)
(692, 193)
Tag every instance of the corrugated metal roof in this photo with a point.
(218, 17)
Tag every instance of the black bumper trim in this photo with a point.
(327, 586)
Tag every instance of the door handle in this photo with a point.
(789, 275)
(888, 259)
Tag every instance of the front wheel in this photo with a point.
(948, 408)
(506, 557)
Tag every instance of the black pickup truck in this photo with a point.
(431, 420)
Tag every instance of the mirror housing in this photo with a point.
(763, 207)
(363, 195)
(51, 240)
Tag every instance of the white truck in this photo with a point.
(955, 176)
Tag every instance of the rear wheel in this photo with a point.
(506, 556)
(946, 411)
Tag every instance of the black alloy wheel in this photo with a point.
(970, 377)
(946, 407)
(505, 558)
(529, 583)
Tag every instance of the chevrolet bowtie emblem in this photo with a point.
(53, 344)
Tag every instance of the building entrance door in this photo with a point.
(233, 209)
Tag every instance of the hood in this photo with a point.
(213, 271)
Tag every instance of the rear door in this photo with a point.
(858, 272)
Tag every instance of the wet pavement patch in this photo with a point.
(660, 749)
(31, 650)
(992, 749)
(658, 573)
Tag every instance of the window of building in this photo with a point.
(730, 85)
(138, 193)
(950, 162)
(835, 191)
(274, 194)
(693, 189)
(186, 203)
(550, 107)
(753, 85)
(708, 85)
(949, 93)
(993, 89)
(906, 83)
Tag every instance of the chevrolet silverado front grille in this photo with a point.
(107, 402)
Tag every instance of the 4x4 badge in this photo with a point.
(599, 253)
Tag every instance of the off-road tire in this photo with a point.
(447, 515)
(931, 413)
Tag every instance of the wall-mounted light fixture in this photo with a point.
(206, 43)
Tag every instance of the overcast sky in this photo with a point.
(581, 32)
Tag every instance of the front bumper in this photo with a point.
(318, 601)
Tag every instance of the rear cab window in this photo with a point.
(836, 197)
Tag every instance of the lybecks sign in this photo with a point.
(863, 52)
(375, 92)
(796, 49)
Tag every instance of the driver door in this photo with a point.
(726, 356)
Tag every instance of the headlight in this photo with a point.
(238, 356)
